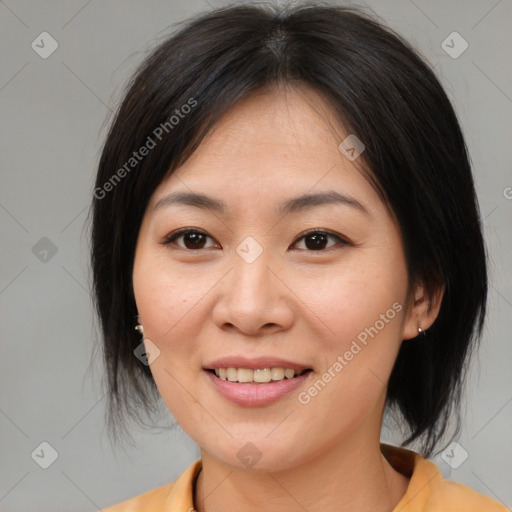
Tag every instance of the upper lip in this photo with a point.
(254, 363)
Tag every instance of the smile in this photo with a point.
(254, 393)
(259, 375)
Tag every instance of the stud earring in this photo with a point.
(139, 328)
(420, 330)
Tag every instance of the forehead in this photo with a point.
(294, 123)
(274, 144)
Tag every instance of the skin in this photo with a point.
(294, 301)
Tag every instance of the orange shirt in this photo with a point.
(428, 491)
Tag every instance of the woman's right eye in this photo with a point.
(193, 239)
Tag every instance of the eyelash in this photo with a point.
(178, 234)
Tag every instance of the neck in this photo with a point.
(350, 475)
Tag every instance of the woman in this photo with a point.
(285, 212)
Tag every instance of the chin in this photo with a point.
(259, 455)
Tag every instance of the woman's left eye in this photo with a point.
(318, 239)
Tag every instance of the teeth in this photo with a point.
(263, 375)
(289, 373)
(232, 374)
(258, 375)
(277, 373)
(245, 375)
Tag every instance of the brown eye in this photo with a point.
(192, 239)
(317, 240)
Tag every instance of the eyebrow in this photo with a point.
(296, 204)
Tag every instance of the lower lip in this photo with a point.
(253, 395)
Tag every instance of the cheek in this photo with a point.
(172, 302)
(355, 311)
(363, 308)
(359, 295)
(167, 302)
(357, 359)
(168, 298)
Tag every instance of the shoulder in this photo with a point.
(429, 491)
(154, 498)
(177, 495)
(454, 496)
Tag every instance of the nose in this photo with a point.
(253, 299)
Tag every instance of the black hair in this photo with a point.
(382, 91)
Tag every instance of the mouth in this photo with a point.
(267, 375)
(257, 387)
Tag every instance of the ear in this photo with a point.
(423, 310)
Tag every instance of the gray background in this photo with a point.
(53, 123)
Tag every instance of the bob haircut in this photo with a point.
(380, 90)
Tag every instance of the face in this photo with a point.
(254, 282)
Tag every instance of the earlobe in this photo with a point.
(423, 311)
(139, 327)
